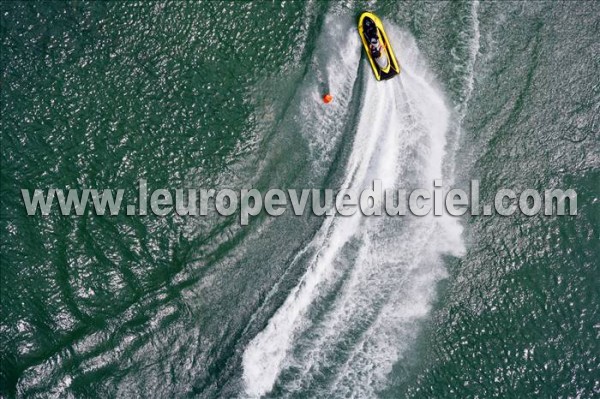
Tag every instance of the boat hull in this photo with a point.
(393, 68)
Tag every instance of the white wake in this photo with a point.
(355, 310)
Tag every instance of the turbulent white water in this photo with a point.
(355, 311)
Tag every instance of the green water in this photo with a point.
(223, 94)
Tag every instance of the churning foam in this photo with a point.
(382, 272)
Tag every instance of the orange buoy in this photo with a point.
(327, 98)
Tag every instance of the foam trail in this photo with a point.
(393, 279)
(387, 267)
(263, 358)
(475, 45)
(472, 39)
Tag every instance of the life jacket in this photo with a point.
(375, 49)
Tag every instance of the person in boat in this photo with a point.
(375, 48)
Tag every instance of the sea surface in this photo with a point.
(228, 94)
